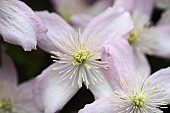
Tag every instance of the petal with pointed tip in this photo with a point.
(20, 25)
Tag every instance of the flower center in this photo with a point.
(139, 100)
(5, 104)
(80, 56)
(133, 38)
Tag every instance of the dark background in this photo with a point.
(30, 64)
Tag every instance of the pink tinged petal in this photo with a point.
(162, 78)
(103, 105)
(20, 25)
(99, 6)
(7, 89)
(118, 54)
(52, 93)
(101, 89)
(163, 3)
(145, 7)
(7, 71)
(80, 21)
(165, 18)
(57, 29)
(159, 44)
(141, 62)
(109, 24)
(24, 97)
(128, 6)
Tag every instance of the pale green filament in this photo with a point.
(133, 38)
(139, 100)
(5, 105)
(80, 56)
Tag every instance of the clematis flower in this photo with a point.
(19, 25)
(77, 57)
(133, 92)
(146, 38)
(14, 98)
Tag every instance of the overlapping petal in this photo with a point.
(103, 105)
(80, 20)
(24, 97)
(141, 62)
(118, 54)
(51, 92)
(109, 24)
(161, 78)
(144, 7)
(101, 89)
(7, 64)
(57, 29)
(159, 45)
(20, 25)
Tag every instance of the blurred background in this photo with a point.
(31, 64)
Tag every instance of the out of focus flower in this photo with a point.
(68, 8)
(133, 92)
(146, 38)
(20, 25)
(77, 56)
(14, 98)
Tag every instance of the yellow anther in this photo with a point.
(139, 100)
(80, 56)
(5, 104)
(133, 38)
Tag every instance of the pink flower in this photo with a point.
(133, 91)
(19, 25)
(146, 38)
(14, 98)
(77, 57)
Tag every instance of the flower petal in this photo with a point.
(51, 92)
(128, 6)
(145, 7)
(103, 105)
(99, 6)
(161, 78)
(57, 29)
(137, 5)
(141, 62)
(159, 41)
(165, 18)
(118, 54)
(24, 97)
(101, 89)
(109, 24)
(80, 21)
(20, 25)
(163, 3)
(7, 71)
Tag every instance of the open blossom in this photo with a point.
(133, 92)
(19, 25)
(146, 38)
(14, 98)
(77, 56)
